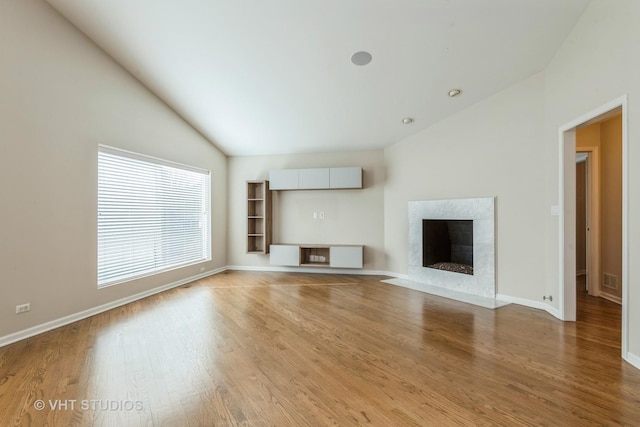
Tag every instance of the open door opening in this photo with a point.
(588, 214)
(599, 206)
(596, 282)
(582, 219)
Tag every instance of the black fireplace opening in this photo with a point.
(448, 245)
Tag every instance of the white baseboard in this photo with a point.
(610, 297)
(530, 303)
(53, 324)
(44, 327)
(282, 269)
(632, 359)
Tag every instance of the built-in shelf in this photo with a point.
(316, 256)
(258, 217)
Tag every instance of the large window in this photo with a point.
(153, 216)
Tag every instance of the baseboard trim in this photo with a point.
(282, 269)
(633, 359)
(53, 324)
(45, 327)
(610, 297)
(530, 303)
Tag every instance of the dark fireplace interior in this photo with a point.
(448, 245)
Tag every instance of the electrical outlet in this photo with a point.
(315, 215)
(555, 210)
(23, 308)
(322, 215)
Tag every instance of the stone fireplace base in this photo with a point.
(446, 293)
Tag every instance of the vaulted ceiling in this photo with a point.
(267, 77)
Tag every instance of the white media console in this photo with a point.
(330, 256)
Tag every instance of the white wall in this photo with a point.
(491, 149)
(353, 216)
(60, 97)
(597, 63)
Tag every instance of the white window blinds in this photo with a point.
(153, 216)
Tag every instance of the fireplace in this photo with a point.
(448, 245)
(452, 244)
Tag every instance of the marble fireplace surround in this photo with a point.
(481, 211)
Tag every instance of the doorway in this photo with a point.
(567, 227)
(599, 206)
(588, 229)
(584, 262)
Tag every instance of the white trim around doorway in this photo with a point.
(566, 196)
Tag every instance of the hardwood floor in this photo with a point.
(258, 349)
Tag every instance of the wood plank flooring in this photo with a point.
(275, 349)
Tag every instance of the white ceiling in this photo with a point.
(267, 77)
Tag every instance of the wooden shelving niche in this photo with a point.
(258, 217)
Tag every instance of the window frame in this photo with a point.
(207, 233)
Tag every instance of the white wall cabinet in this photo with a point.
(284, 179)
(334, 256)
(312, 179)
(316, 178)
(284, 255)
(345, 178)
(345, 256)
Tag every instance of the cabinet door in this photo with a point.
(284, 255)
(346, 177)
(310, 179)
(345, 256)
(283, 179)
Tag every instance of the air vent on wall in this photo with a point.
(610, 281)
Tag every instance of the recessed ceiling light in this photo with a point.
(361, 58)
(454, 92)
(407, 120)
